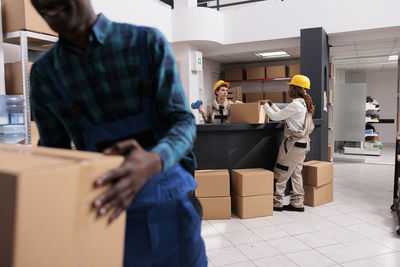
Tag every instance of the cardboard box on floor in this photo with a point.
(252, 182)
(257, 73)
(216, 208)
(276, 97)
(276, 71)
(13, 77)
(46, 196)
(254, 97)
(212, 183)
(317, 196)
(252, 206)
(234, 74)
(317, 173)
(294, 70)
(250, 113)
(21, 15)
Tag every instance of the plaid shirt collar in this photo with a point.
(101, 30)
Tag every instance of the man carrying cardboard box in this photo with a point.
(104, 82)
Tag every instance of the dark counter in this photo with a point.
(237, 146)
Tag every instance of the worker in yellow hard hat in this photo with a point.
(219, 110)
(296, 142)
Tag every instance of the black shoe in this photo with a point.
(278, 208)
(291, 208)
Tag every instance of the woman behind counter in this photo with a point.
(295, 144)
(219, 111)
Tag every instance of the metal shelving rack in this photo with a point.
(27, 41)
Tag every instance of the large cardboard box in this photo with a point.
(276, 97)
(21, 15)
(276, 71)
(251, 113)
(317, 196)
(294, 70)
(317, 173)
(13, 77)
(254, 97)
(216, 208)
(45, 209)
(252, 182)
(257, 73)
(212, 183)
(253, 206)
(234, 74)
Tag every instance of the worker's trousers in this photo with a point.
(292, 153)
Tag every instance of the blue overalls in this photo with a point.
(162, 225)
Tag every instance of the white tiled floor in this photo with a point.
(357, 229)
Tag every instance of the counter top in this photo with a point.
(246, 127)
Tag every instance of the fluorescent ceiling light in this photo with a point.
(393, 57)
(273, 54)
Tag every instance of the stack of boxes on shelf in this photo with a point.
(250, 190)
(252, 193)
(318, 182)
(46, 209)
(21, 15)
(235, 94)
(250, 112)
(213, 192)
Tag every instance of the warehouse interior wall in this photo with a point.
(383, 87)
(211, 74)
(141, 12)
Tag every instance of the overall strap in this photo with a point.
(148, 89)
(70, 104)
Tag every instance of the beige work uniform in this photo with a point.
(289, 164)
(213, 115)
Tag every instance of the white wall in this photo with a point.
(383, 87)
(211, 74)
(142, 12)
(269, 20)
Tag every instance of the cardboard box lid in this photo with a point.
(212, 183)
(317, 173)
(252, 182)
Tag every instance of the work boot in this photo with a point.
(278, 208)
(291, 208)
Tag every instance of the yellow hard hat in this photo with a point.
(219, 84)
(300, 80)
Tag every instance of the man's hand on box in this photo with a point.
(126, 181)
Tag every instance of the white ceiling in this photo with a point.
(369, 48)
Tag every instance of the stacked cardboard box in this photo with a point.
(294, 70)
(254, 97)
(46, 198)
(234, 74)
(252, 193)
(257, 73)
(276, 71)
(21, 15)
(13, 77)
(318, 182)
(249, 113)
(213, 193)
(235, 94)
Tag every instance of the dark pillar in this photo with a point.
(314, 63)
